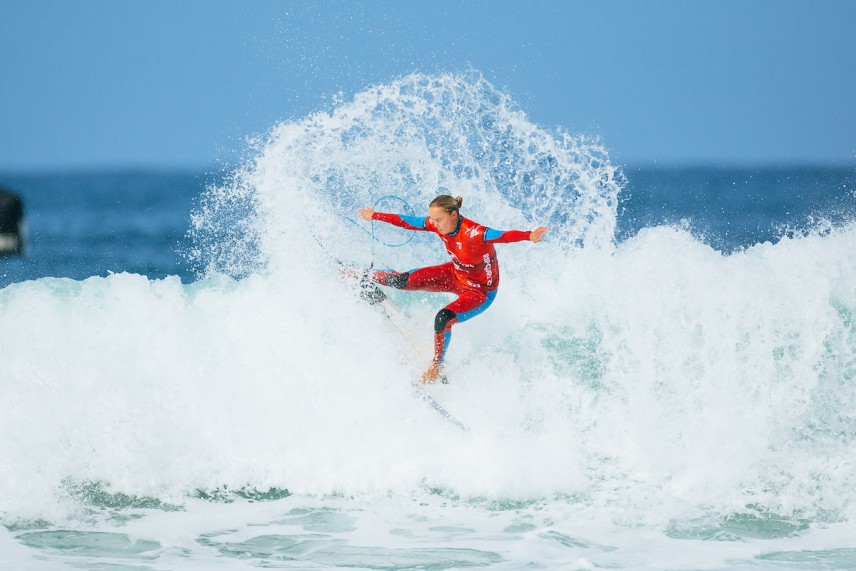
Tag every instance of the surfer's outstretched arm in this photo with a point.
(400, 220)
(508, 236)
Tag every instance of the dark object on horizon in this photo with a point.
(11, 223)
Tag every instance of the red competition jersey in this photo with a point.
(470, 247)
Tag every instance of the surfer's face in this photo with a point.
(444, 222)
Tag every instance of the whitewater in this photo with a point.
(650, 403)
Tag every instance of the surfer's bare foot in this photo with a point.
(432, 375)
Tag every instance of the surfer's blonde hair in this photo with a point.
(448, 203)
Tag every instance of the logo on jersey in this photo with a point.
(488, 269)
(473, 232)
(457, 262)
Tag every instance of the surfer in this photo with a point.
(473, 273)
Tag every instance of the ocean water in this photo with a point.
(666, 382)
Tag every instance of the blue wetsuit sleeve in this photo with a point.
(505, 236)
(407, 222)
(491, 234)
(417, 221)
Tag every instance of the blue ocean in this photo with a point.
(667, 381)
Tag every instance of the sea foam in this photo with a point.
(652, 380)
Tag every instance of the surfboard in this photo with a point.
(372, 294)
(438, 407)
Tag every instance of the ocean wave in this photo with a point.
(656, 379)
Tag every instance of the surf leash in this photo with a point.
(371, 232)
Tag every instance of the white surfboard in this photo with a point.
(398, 322)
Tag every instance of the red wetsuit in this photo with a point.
(473, 273)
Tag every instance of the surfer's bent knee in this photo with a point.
(444, 316)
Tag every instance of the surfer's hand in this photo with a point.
(365, 213)
(537, 233)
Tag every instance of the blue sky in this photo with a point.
(103, 83)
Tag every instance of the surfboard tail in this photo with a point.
(439, 408)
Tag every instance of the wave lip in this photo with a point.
(414, 138)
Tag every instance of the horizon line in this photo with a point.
(220, 167)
